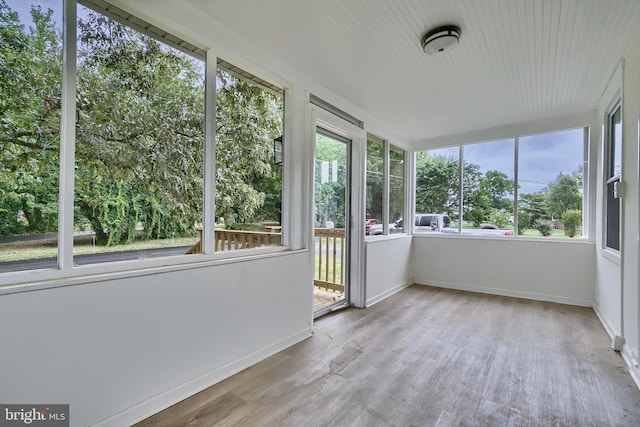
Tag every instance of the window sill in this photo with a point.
(33, 280)
(560, 240)
(385, 237)
(612, 255)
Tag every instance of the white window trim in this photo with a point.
(387, 186)
(610, 253)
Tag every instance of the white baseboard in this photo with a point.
(388, 293)
(510, 293)
(170, 397)
(632, 364)
(613, 334)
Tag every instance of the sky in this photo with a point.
(541, 157)
(23, 7)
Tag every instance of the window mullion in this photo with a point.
(516, 144)
(67, 138)
(208, 220)
(386, 187)
(460, 187)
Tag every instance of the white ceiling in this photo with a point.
(518, 60)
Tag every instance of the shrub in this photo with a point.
(477, 217)
(544, 226)
(500, 218)
(572, 219)
(524, 221)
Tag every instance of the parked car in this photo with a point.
(376, 229)
(368, 223)
(427, 222)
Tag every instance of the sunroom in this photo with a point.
(187, 186)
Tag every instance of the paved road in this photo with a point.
(48, 263)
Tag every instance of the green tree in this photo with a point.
(534, 205)
(498, 187)
(30, 84)
(330, 202)
(437, 184)
(248, 119)
(139, 134)
(375, 179)
(571, 219)
(563, 194)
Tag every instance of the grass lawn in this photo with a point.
(532, 232)
(47, 248)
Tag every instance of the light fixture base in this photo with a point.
(440, 40)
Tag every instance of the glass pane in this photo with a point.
(396, 187)
(249, 121)
(331, 214)
(30, 102)
(437, 190)
(615, 168)
(488, 188)
(139, 145)
(550, 184)
(375, 185)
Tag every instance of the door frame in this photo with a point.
(318, 117)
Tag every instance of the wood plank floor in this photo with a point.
(431, 357)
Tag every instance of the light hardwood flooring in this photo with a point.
(431, 357)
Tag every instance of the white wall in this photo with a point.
(107, 346)
(543, 270)
(617, 299)
(631, 202)
(387, 267)
(608, 291)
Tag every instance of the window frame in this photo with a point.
(66, 273)
(586, 187)
(387, 147)
(609, 174)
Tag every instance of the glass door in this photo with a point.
(332, 219)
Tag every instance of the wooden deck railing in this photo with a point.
(329, 258)
(231, 240)
(329, 250)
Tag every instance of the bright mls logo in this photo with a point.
(34, 415)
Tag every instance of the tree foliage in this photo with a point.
(375, 179)
(30, 87)
(437, 188)
(572, 220)
(330, 182)
(563, 194)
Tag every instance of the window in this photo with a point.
(551, 184)
(396, 184)
(385, 188)
(613, 172)
(134, 145)
(375, 182)
(30, 111)
(249, 117)
(139, 144)
(488, 185)
(437, 190)
(529, 185)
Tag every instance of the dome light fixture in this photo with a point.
(440, 40)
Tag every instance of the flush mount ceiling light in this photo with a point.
(441, 40)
